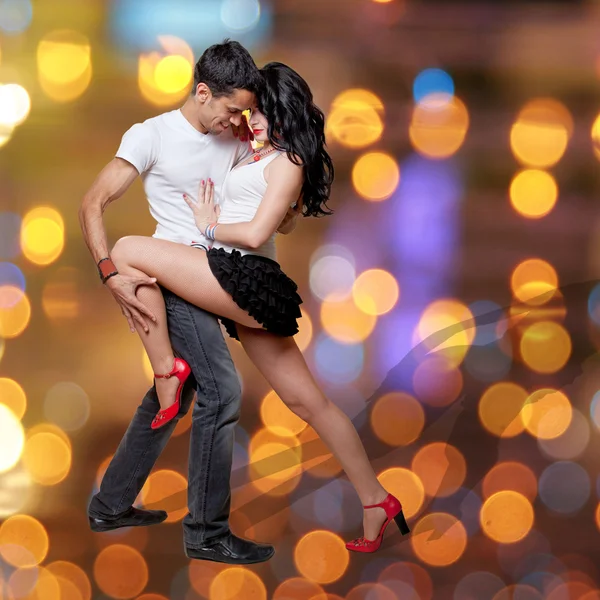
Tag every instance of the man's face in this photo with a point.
(216, 114)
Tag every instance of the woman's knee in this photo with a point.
(122, 251)
(308, 408)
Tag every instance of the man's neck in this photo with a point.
(189, 111)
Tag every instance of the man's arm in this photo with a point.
(112, 182)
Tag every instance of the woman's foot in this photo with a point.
(374, 518)
(179, 373)
(166, 387)
(372, 538)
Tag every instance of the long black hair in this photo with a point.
(297, 127)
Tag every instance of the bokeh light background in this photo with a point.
(452, 303)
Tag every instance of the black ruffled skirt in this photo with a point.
(259, 286)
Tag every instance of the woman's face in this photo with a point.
(258, 124)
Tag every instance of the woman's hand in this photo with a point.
(205, 211)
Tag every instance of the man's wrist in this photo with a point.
(106, 269)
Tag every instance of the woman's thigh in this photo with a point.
(182, 269)
(283, 365)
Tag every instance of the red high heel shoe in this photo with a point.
(393, 510)
(182, 371)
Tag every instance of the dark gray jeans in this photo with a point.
(196, 337)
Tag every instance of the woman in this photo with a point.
(239, 279)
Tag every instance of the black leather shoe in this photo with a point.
(134, 517)
(232, 550)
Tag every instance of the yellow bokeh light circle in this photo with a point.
(321, 556)
(397, 419)
(166, 483)
(47, 458)
(534, 281)
(375, 292)
(448, 327)
(406, 486)
(12, 439)
(545, 346)
(237, 583)
(541, 132)
(64, 65)
(15, 311)
(42, 235)
(547, 413)
(500, 409)
(355, 118)
(345, 322)
(165, 77)
(533, 193)
(299, 588)
(510, 475)
(441, 467)
(120, 571)
(36, 584)
(71, 572)
(506, 516)
(277, 417)
(375, 176)
(439, 539)
(173, 74)
(13, 396)
(595, 133)
(274, 462)
(24, 541)
(305, 331)
(15, 105)
(439, 125)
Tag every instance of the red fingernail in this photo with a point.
(203, 182)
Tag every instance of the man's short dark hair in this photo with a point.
(227, 67)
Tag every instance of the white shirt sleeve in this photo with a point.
(140, 146)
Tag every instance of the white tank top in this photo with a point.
(243, 191)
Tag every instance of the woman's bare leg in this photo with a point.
(183, 270)
(282, 364)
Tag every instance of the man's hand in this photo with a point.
(243, 131)
(123, 288)
(289, 221)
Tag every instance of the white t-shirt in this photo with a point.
(172, 156)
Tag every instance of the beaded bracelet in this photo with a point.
(210, 231)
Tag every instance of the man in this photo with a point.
(172, 152)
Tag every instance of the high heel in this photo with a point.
(182, 371)
(393, 511)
